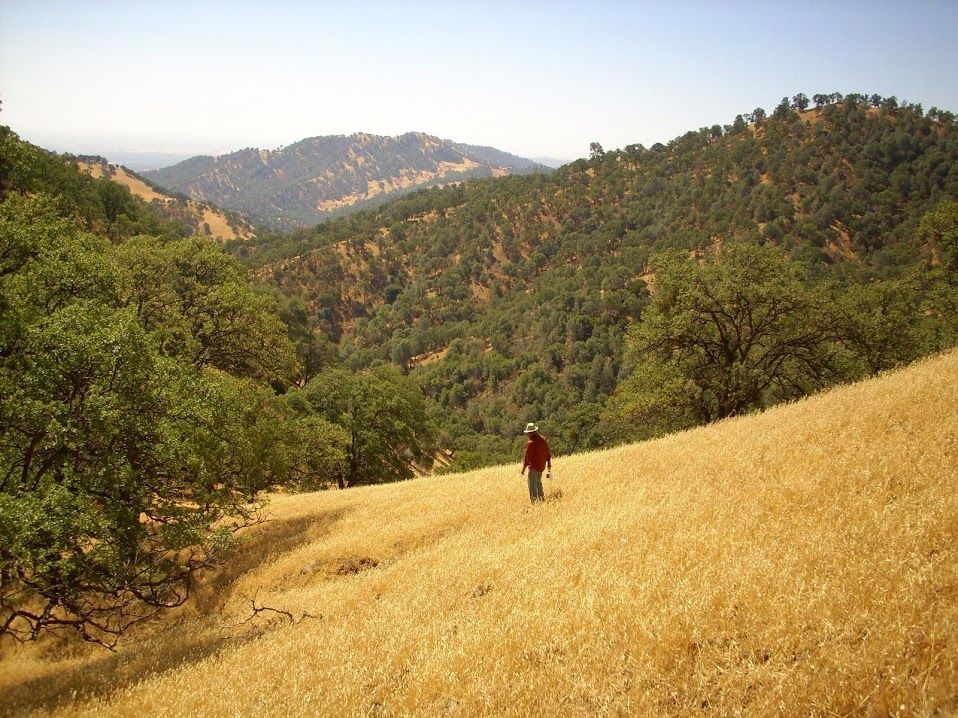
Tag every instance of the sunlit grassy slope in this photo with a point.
(801, 562)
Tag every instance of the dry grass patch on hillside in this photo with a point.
(136, 186)
(217, 222)
(799, 562)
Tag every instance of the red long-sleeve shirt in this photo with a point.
(537, 453)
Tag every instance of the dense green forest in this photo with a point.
(510, 300)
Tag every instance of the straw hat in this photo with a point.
(530, 427)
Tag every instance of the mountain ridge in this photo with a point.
(328, 175)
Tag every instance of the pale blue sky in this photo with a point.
(535, 79)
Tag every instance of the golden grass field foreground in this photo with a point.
(799, 562)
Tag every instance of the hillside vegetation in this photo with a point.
(803, 561)
(105, 208)
(508, 299)
(320, 177)
(202, 218)
(138, 415)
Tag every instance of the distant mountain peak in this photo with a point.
(326, 175)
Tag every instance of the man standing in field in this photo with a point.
(536, 459)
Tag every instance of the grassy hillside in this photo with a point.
(201, 217)
(803, 562)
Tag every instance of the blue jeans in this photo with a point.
(535, 485)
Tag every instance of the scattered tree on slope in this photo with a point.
(383, 415)
(726, 336)
(745, 329)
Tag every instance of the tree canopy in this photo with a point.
(383, 415)
(725, 336)
(134, 435)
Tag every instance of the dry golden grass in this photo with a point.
(799, 562)
(122, 177)
(405, 179)
(217, 222)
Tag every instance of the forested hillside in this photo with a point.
(99, 205)
(320, 177)
(509, 299)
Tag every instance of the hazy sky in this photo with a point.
(535, 79)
